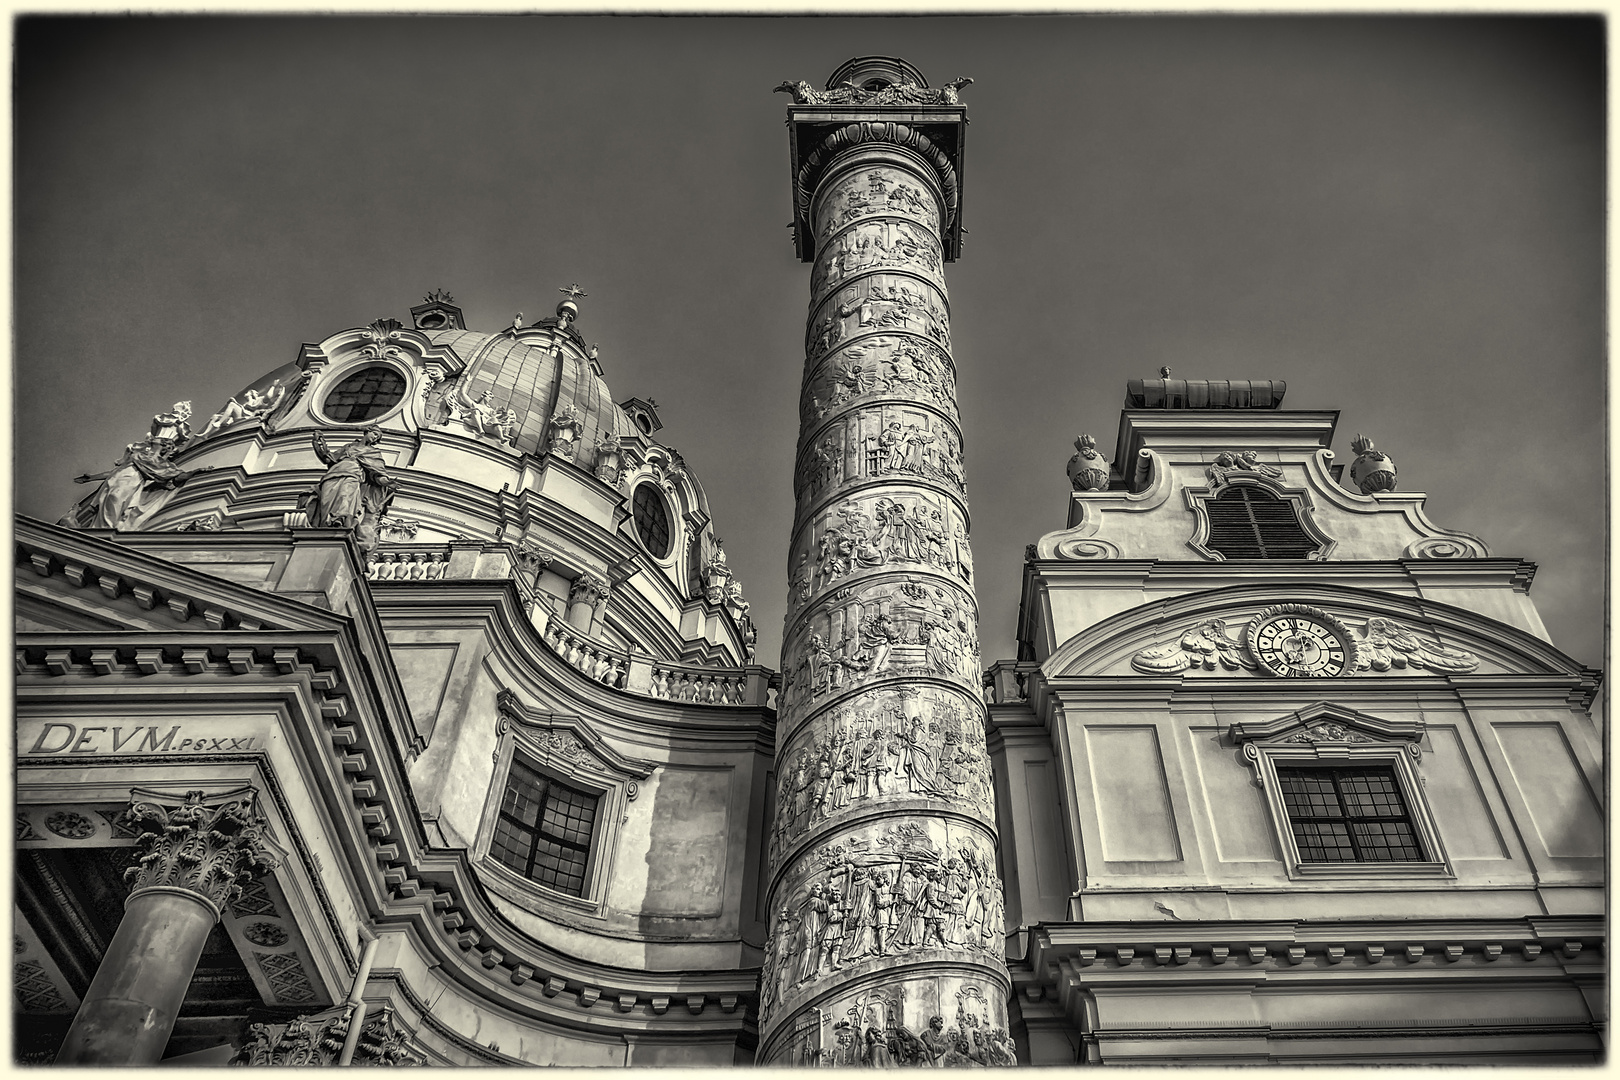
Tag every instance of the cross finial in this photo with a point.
(574, 292)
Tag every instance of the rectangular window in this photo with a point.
(544, 830)
(1348, 815)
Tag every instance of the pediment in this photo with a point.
(1218, 634)
(1327, 723)
(568, 742)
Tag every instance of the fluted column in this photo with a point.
(194, 855)
(887, 932)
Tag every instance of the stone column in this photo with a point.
(195, 853)
(887, 935)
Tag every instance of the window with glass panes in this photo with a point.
(652, 520)
(544, 829)
(1348, 815)
(365, 394)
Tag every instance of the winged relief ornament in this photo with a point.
(1293, 640)
(1203, 646)
(1387, 644)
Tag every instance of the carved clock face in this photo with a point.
(1300, 644)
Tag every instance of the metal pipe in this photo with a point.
(357, 1003)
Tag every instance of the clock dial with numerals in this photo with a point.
(1300, 643)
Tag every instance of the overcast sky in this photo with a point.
(1402, 217)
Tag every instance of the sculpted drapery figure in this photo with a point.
(356, 490)
(140, 482)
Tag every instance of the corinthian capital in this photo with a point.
(204, 844)
(589, 590)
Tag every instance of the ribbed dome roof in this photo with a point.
(534, 382)
(535, 373)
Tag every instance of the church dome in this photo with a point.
(506, 439)
(497, 388)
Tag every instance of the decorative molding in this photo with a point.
(547, 734)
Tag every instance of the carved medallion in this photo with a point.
(267, 934)
(73, 826)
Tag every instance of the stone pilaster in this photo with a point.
(196, 851)
(887, 933)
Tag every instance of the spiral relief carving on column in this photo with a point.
(887, 933)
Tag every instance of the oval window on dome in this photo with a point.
(651, 516)
(364, 395)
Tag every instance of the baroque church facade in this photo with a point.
(405, 711)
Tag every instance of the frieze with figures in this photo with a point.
(897, 530)
(879, 748)
(894, 441)
(942, 1022)
(877, 245)
(874, 192)
(885, 628)
(895, 888)
(881, 367)
(881, 302)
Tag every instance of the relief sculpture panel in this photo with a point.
(918, 889)
(885, 244)
(877, 303)
(869, 632)
(888, 747)
(942, 1022)
(894, 441)
(872, 193)
(879, 367)
(900, 529)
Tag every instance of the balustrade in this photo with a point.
(407, 565)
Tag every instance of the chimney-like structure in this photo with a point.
(887, 930)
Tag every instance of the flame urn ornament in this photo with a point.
(887, 932)
(1371, 471)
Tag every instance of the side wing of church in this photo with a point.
(1285, 771)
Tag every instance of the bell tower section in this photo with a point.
(887, 927)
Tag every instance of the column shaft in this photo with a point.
(887, 933)
(128, 1013)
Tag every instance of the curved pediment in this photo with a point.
(1273, 631)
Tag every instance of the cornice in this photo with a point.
(494, 606)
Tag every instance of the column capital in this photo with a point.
(198, 842)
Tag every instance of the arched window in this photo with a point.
(1248, 522)
(364, 395)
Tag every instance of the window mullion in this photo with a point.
(1344, 811)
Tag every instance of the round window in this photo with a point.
(652, 520)
(364, 395)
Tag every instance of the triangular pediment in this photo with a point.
(1326, 722)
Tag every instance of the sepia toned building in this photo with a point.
(405, 711)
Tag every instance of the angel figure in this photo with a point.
(566, 428)
(1387, 644)
(254, 405)
(480, 414)
(355, 492)
(137, 486)
(506, 424)
(1202, 646)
